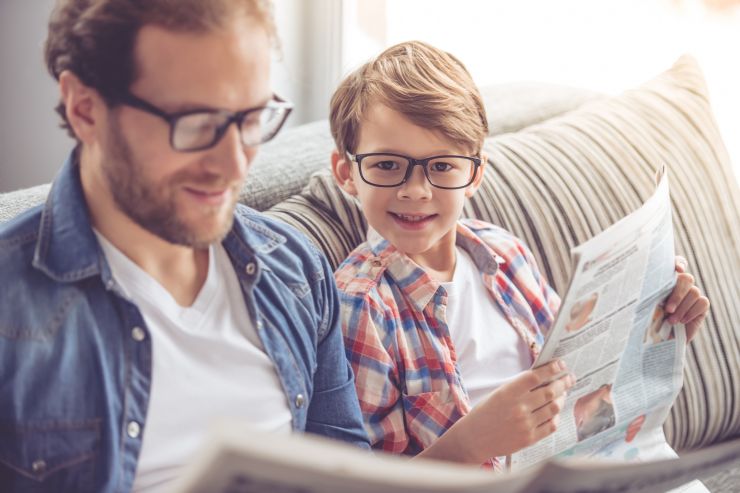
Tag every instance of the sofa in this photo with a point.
(564, 164)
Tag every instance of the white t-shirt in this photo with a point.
(208, 363)
(489, 351)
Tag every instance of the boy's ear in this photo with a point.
(341, 168)
(473, 187)
(83, 106)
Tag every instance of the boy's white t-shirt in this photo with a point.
(489, 351)
(208, 363)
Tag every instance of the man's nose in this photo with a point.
(229, 158)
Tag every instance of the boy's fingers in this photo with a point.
(532, 379)
(682, 264)
(552, 391)
(548, 411)
(700, 307)
(693, 326)
(546, 373)
(683, 284)
(691, 297)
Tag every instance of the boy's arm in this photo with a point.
(376, 373)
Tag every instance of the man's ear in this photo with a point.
(473, 187)
(341, 169)
(83, 106)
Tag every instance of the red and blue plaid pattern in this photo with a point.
(393, 319)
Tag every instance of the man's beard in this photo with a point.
(153, 206)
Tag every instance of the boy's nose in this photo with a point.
(417, 187)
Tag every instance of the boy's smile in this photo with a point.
(412, 221)
(417, 218)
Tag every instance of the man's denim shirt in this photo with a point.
(76, 376)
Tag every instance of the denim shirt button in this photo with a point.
(138, 334)
(38, 466)
(133, 429)
(251, 268)
(299, 400)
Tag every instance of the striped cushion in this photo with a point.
(557, 183)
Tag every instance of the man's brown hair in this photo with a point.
(430, 87)
(95, 39)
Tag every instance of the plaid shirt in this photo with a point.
(397, 340)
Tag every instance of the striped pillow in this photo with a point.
(557, 183)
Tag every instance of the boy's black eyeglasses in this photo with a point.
(196, 130)
(449, 172)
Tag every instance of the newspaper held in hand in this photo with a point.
(612, 334)
(239, 459)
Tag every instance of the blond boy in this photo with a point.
(442, 317)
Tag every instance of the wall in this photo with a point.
(32, 144)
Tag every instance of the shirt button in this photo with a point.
(299, 400)
(38, 466)
(138, 334)
(133, 429)
(260, 325)
(377, 263)
(251, 268)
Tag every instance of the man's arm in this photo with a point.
(333, 411)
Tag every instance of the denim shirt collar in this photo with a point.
(68, 251)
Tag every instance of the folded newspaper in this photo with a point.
(628, 361)
(241, 460)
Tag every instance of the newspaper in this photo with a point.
(239, 459)
(612, 334)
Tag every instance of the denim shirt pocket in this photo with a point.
(49, 456)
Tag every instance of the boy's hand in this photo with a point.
(518, 414)
(686, 304)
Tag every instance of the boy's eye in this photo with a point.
(440, 166)
(387, 165)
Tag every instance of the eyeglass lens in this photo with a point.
(202, 130)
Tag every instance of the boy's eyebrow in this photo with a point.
(436, 152)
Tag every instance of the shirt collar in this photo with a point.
(414, 281)
(66, 248)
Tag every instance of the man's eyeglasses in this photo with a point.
(449, 172)
(196, 130)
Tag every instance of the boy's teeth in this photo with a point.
(406, 217)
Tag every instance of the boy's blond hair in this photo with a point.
(430, 87)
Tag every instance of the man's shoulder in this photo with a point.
(18, 239)
(285, 242)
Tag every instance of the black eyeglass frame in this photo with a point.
(424, 163)
(237, 117)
